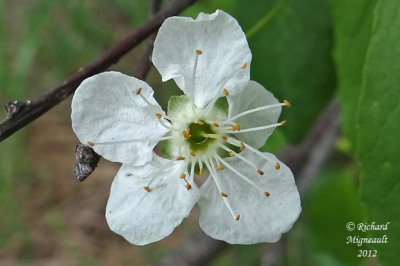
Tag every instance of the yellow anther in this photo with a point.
(236, 127)
(244, 66)
(201, 171)
(90, 143)
(138, 91)
(183, 176)
(188, 186)
(231, 153)
(159, 115)
(216, 124)
(186, 134)
(199, 52)
(220, 167)
(283, 122)
(224, 194)
(242, 146)
(147, 188)
(200, 122)
(260, 172)
(180, 158)
(226, 92)
(192, 153)
(277, 166)
(237, 217)
(267, 194)
(287, 103)
(224, 138)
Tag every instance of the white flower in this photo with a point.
(218, 125)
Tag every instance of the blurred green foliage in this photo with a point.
(302, 52)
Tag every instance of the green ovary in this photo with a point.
(196, 140)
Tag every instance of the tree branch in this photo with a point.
(30, 110)
(305, 160)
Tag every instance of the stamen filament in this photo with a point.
(127, 141)
(256, 110)
(144, 98)
(214, 175)
(245, 178)
(239, 156)
(254, 128)
(240, 144)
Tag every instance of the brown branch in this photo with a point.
(305, 159)
(30, 110)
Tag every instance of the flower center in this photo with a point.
(197, 141)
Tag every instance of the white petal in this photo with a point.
(105, 108)
(262, 219)
(254, 95)
(142, 217)
(225, 51)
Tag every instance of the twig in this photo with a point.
(144, 65)
(305, 160)
(41, 104)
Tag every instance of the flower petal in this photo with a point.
(142, 217)
(105, 108)
(262, 219)
(224, 62)
(254, 95)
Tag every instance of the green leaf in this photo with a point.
(292, 57)
(330, 205)
(353, 22)
(378, 128)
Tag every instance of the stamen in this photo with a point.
(287, 103)
(245, 178)
(186, 134)
(224, 138)
(231, 154)
(200, 122)
(277, 166)
(224, 195)
(192, 153)
(127, 141)
(267, 194)
(147, 188)
(242, 146)
(260, 172)
(237, 217)
(220, 167)
(139, 92)
(239, 144)
(188, 186)
(183, 176)
(201, 170)
(240, 157)
(159, 115)
(256, 110)
(216, 124)
(226, 92)
(244, 66)
(236, 127)
(214, 174)
(199, 52)
(257, 128)
(180, 158)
